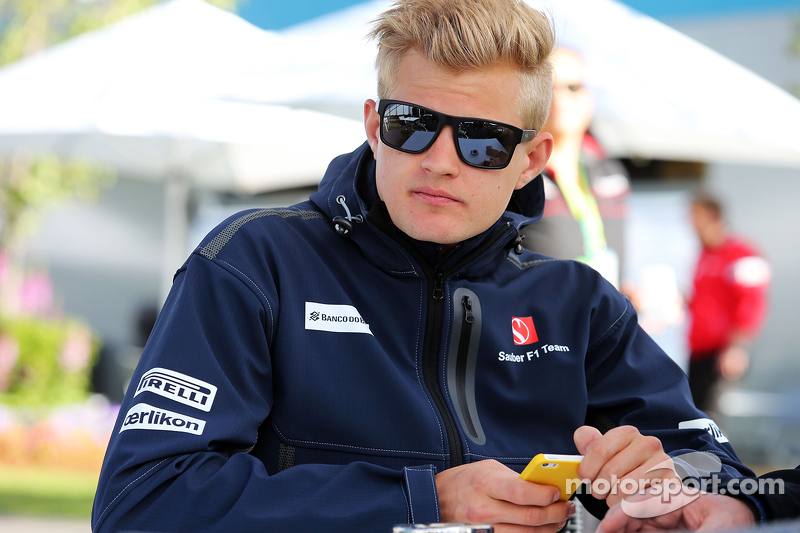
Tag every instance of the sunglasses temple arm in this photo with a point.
(527, 135)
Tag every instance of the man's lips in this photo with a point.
(434, 196)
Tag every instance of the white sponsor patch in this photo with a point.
(145, 416)
(707, 425)
(178, 387)
(335, 318)
(751, 271)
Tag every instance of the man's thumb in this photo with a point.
(584, 436)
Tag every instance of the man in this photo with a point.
(585, 191)
(728, 305)
(387, 352)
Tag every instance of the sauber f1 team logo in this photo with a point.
(524, 332)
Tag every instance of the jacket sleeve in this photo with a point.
(177, 458)
(749, 280)
(631, 381)
(779, 491)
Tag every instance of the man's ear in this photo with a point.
(538, 152)
(371, 123)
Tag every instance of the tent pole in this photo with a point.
(176, 228)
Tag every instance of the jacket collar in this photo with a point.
(353, 177)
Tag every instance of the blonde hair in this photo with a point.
(459, 35)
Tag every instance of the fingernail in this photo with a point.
(562, 524)
(571, 508)
(556, 497)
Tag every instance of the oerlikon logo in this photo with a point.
(524, 332)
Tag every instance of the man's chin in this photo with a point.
(429, 229)
(444, 242)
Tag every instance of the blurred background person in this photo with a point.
(728, 305)
(586, 191)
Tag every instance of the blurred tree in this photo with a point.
(30, 26)
(45, 357)
(30, 182)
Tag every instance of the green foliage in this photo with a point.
(40, 492)
(30, 184)
(45, 361)
(30, 26)
(38, 354)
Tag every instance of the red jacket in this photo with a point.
(730, 287)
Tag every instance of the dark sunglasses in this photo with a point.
(572, 87)
(480, 143)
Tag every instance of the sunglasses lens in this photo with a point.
(408, 128)
(481, 143)
(485, 144)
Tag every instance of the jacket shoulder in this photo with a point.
(736, 246)
(241, 224)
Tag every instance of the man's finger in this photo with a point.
(616, 521)
(529, 516)
(502, 483)
(602, 449)
(642, 457)
(584, 436)
(521, 492)
(658, 467)
(516, 528)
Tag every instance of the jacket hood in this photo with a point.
(352, 176)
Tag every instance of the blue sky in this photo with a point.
(275, 15)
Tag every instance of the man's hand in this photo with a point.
(621, 454)
(733, 362)
(707, 512)
(488, 492)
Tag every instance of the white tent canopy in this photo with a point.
(148, 96)
(663, 95)
(659, 94)
(185, 88)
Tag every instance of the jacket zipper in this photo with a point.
(430, 367)
(461, 364)
(433, 333)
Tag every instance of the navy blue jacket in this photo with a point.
(299, 380)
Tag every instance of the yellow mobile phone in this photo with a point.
(553, 469)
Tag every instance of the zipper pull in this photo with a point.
(438, 286)
(466, 301)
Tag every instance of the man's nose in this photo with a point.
(442, 158)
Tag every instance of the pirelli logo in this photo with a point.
(178, 387)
